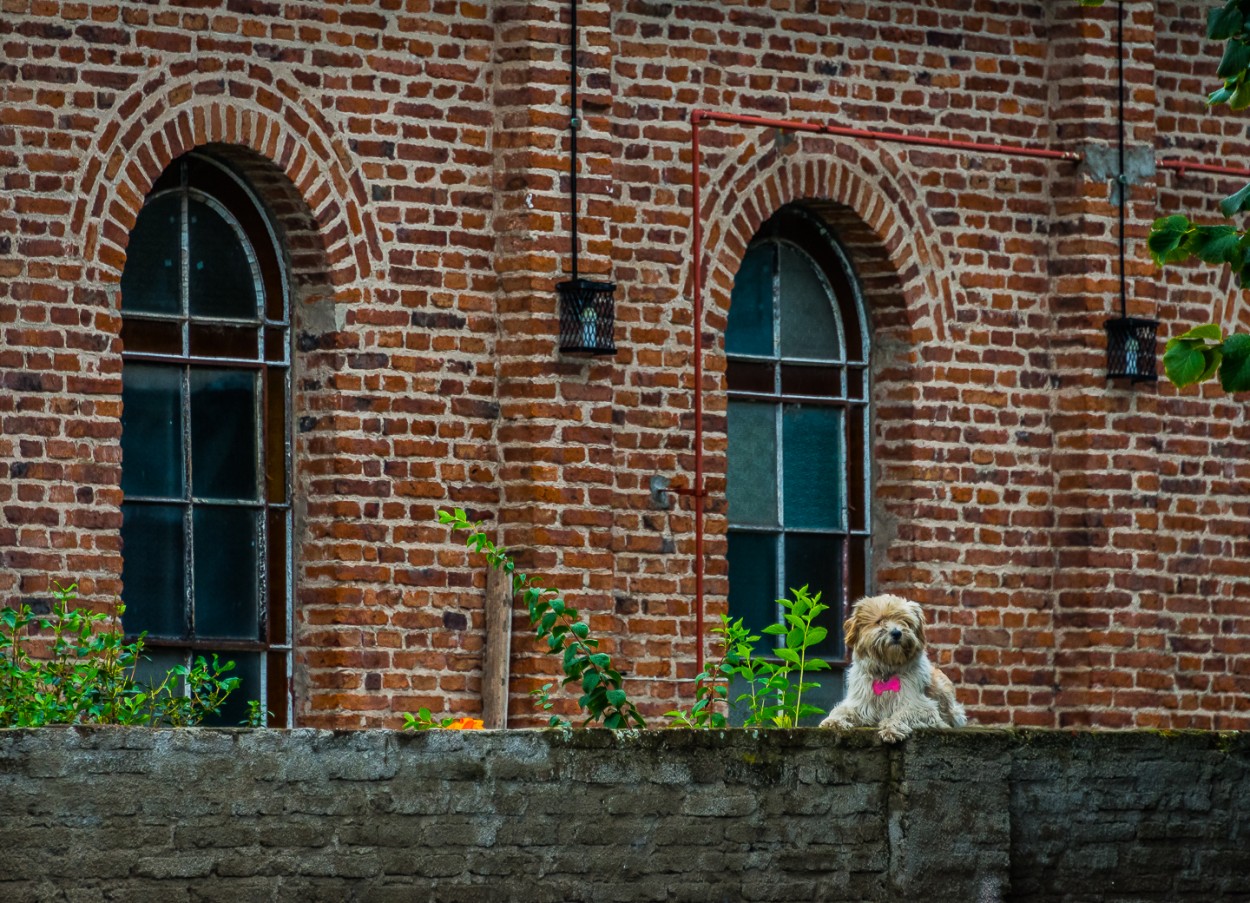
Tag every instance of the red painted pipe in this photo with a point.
(1183, 166)
(1010, 150)
(697, 118)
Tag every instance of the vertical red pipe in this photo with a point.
(696, 118)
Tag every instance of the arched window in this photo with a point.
(797, 352)
(206, 451)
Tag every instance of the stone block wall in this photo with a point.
(237, 815)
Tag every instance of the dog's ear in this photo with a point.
(850, 630)
(917, 618)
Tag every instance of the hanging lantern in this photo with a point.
(587, 319)
(1131, 349)
(587, 316)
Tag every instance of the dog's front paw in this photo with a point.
(894, 733)
(838, 721)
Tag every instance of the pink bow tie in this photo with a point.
(890, 685)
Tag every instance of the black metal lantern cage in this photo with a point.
(587, 318)
(1131, 349)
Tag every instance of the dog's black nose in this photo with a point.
(896, 634)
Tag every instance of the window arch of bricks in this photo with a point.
(797, 358)
(206, 436)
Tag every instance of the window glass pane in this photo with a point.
(220, 274)
(809, 325)
(152, 569)
(151, 336)
(152, 453)
(753, 580)
(247, 667)
(226, 541)
(751, 482)
(224, 434)
(813, 466)
(814, 560)
(750, 326)
(152, 277)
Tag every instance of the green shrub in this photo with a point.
(89, 675)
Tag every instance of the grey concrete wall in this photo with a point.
(124, 814)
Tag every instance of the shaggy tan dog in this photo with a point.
(891, 684)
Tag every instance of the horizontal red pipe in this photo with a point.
(1184, 166)
(1011, 150)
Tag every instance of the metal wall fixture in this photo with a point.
(1130, 340)
(587, 308)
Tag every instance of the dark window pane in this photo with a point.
(814, 560)
(276, 345)
(814, 380)
(152, 277)
(218, 340)
(152, 569)
(750, 326)
(276, 684)
(275, 435)
(753, 579)
(813, 466)
(151, 336)
(751, 376)
(247, 667)
(227, 572)
(751, 482)
(809, 324)
(221, 278)
(855, 378)
(275, 541)
(856, 464)
(223, 434)
(152, 453)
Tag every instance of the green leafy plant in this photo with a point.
(775, 683)
(566, 635)
(1200, 353)
(424, 721)
(257, 714)
(88, 674)
(711, 687)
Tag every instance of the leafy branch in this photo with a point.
(565, 633)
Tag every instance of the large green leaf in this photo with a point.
(1224, 22)
(1166, 237)
(1216, 244)
(1235, 371)
(1183, 364)
(1235, 60)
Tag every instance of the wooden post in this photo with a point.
(498, 653)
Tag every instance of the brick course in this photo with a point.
(1081, 545)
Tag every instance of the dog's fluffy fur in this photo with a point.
(885, 636)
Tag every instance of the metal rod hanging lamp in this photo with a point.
(1131, 341)
(587, 308)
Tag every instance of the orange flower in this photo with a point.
(465, 724)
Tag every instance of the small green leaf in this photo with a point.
(1236, 203)
(1241, 96)
(788, 655)
(616, 698)
(774, 629)
(601, 660)
(581, 630)
(1208, 332)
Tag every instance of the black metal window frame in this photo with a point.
(189, 343)
(842, 381)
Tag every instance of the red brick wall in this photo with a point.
(1080, 545)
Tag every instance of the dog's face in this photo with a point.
(887, 629)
